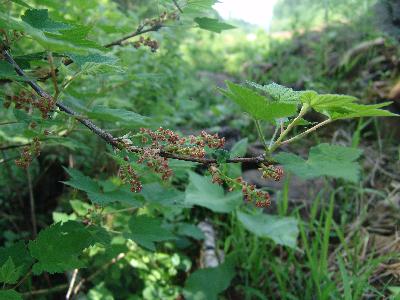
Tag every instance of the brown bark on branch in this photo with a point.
(108, 137)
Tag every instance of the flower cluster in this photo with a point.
(152, 44)
(249, 191)
(155, 162)
(128, 175)
(194, 146)
(28, 153)
(160, 141)
(26, 101)
(270, 171)
(164, 17)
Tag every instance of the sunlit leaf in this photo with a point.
(213, 25)
(258, 106)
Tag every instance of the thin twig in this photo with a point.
(140, 30)
(308, 131)
(9, 122)
(32, 204)
(57, 288)
(71, 284)
(53, 75)
(108, 137)
(261, 135)
(177, 6)
(13, 146)
(279, 126)
(283, 134)
(23, 279)
(100, 270)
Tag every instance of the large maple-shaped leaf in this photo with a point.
(58, 248)
(257, 105)
(343, 106)
(324, 160)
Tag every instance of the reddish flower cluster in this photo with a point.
(270, 171)
(26, 101)
(165, 140)
(170, 141)
(155, 162)
(152, 44)
(128, 175)
(249, 191)
(251, 194)
(28, 153)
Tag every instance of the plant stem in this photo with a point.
(308, 131)
(302, 112)
(32, 205)
(275, 133)
(261, 135)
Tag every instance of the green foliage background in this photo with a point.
(147, 245)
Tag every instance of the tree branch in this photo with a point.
(140, 30)
(109, 138)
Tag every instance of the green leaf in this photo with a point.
(9, 273)
(100, 292)
(343, 106)
(123, 116)
(202, 192)
(10, 295)
(213, 25)
(354, 110)
(22, 3)
(39, 18)
(8, 72)
(278, 92)
(258, 106)
(157, 193)
(94, 58)
(190, 230)
(208, 283)
(81, 182)
(58, 248)
(122, 195)
(51, 35)
(146, 231)
(282, 230)
(198, 6)
(324, 160)
(19, 255)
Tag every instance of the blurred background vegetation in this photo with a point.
(349, 242)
